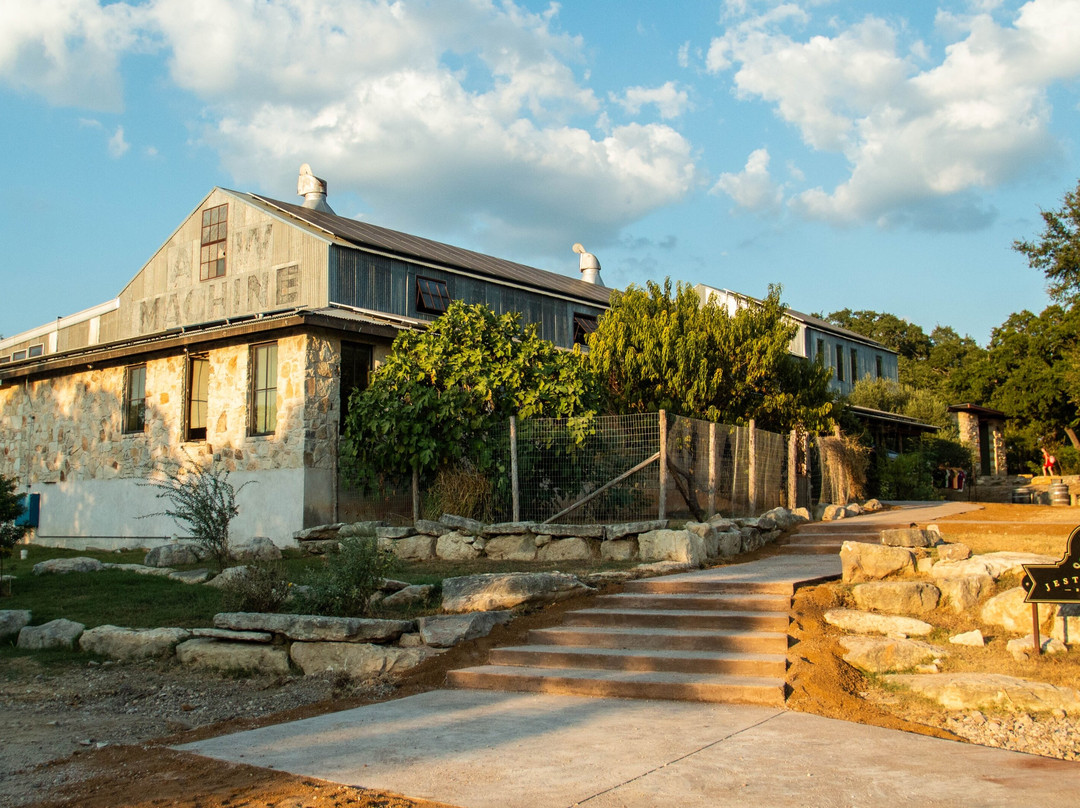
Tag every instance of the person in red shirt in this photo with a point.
(1049, 463)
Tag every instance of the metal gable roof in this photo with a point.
(362, 234)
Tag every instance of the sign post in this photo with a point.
(1053, 583)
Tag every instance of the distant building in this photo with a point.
(240, 339)
(848, 355)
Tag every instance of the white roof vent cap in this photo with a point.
(589, 266)
(313, 189)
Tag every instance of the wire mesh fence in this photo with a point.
(607, 469)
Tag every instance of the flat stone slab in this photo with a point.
(993, 564)
(869, 622)
(482, 749)
(235, 636)
(310, 627)
(975, 691)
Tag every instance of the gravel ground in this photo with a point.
(1056, 735)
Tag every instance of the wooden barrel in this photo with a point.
(1021, 495)
(1059, 495)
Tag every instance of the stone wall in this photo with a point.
(64, 437)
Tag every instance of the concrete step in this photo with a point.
(751, 642)
(671, 618)
(706, 602)
(624, 684)
(675, 585)
(716, 662)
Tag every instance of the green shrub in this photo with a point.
(262, 588)
(346, 581)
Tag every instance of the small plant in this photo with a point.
(11, 508)
(262, 587)
(345, 583)
(203, 499)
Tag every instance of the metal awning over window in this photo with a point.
(584, 324)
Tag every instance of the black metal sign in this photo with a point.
(1055, 583)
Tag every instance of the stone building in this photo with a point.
(239, 340)
(983, 430)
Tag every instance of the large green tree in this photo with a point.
(1057, 250)
(660, 348)
(441, 391)
(895, 333)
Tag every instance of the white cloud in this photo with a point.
(670, 101)
(117, 145)
(753, 188)
(477, 104)
(66, 50)
(921, 143)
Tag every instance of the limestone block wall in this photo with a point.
(63, 436)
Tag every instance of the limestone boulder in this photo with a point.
(863, 561)
(897, 597)
(234, 636)
(320, 546)
(571, 549)
(62, 566)
(993, 564)
(447, 630)
(457, 546)
(243, 657)
(854, 509)
(830, 513)
(126, 644)
(494, 591)
(227, 577)
(257, 548)
(962, 595)
(430, 528)
(619, 550)
(579, 531)
(728, 543)
(315, 628)
(394, 532)
(356, 660)
(860, 622)
(509, 528)
(12, 621)
(624, 529)
(462, 524)
(511, 547)
(1009, 611)
(421, 547)
(872, 506)
(720, 523)
(176, 554)
(353, 530)
(199, 576)
(908, 537)
(979, 691)
(1023, 649)
(973, 639)
(680, 546)
(409, 596)
(59, 633)
(886, 654)
(953, 552)
(319, 532)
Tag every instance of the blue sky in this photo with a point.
(870, 156)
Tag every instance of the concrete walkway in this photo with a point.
(483, 749)
(479, 749)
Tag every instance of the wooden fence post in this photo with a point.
(751, 480)
(793, 470)
(712, 470)
(662, 504)
(515, 490)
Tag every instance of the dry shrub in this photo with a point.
(262, 588)
(844, 463)
(461, 491)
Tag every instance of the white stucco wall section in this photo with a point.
(105, 513)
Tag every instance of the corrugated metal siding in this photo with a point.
(378, 283)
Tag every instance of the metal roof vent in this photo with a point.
(313, 190)
(589, 266)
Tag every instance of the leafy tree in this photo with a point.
(1057, 251)
(903, 399)
(11, 508)
(441, 391)
(659, 348)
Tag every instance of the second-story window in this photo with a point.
(839, 363)
(215, 230)
(432, 296)
(584, 324)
